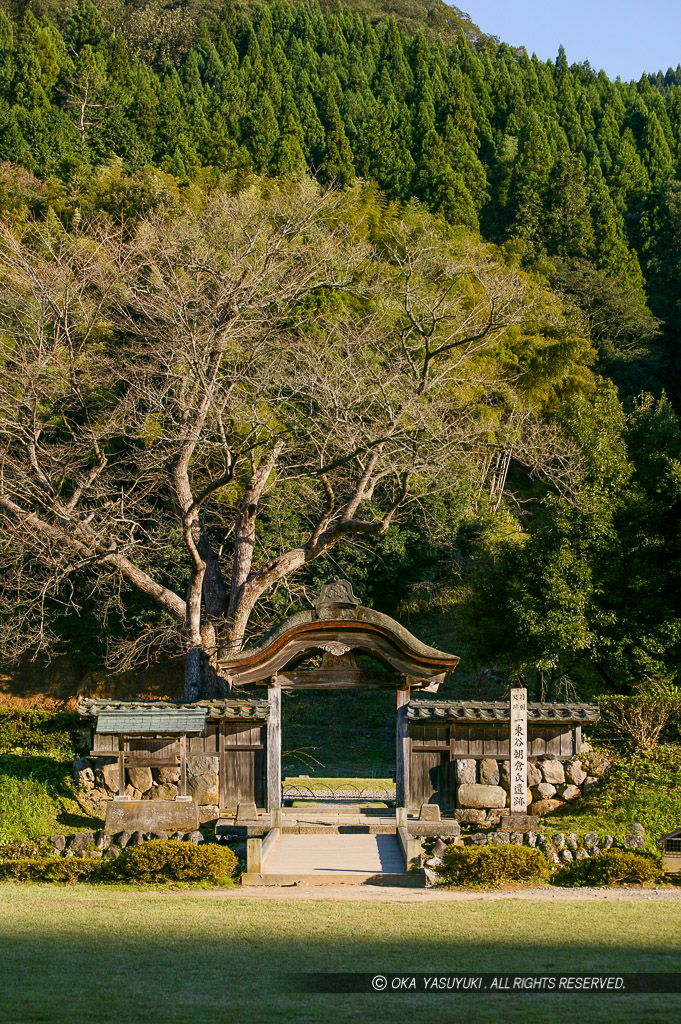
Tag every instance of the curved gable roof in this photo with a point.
(343, 627)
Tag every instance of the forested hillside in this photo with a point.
(122, 110)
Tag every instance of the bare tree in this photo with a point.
(161, 385)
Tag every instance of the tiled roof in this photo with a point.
(241, 710)
(486, 712)
(168, 720)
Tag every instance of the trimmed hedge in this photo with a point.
(51, 869)
(167, 860)
(40, 731)
(489, 865)
(611, 867)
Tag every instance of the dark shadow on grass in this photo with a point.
(141, 958)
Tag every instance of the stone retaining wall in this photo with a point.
(99, 778)
(559, 849)
(483, 787)
(103, 844)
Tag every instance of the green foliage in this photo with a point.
(642, 787)
(490, 865)
(163, 860)
(51, 869)
(641, 719)
(120, 110)
(26, 809)
(39, 731)
(611, 867)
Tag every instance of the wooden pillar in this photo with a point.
(121, 767)
(183, 764)
(274, 746)
(402, 750)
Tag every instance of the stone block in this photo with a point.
(505, 775)
(589, 785)
(573, 841)
(531, 838)
(141, 778)
(194, 836)
(517, 838)
(636, 830)
(478, 839)
(500, 838)
(544, 791)
(542, 807)
(553, 772)
(102, 840)
(246, 811)
(581, 854)
(591, 840)
(59, 842)
(85, 777)
(467, 816)
(569, 792)
(109, 776)
(478, 796)
(208, 814)
(439, 848)
(137, 838)
(518, 822)
(164, 791)
(574, 773)
(133, 793)
(203, 764)
(566, 856)
(95, 801)
(151, 815)
(80, 841)
(559, 841)
(533, 774)
(111, 853)
(430, 812)
(608, 842)
(166, 775)
(204, 788)
(633, 842)
(489, 772)
(465, 772)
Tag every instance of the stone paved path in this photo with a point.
(330, 854)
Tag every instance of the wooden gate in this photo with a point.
(242, 764)
(429, 772)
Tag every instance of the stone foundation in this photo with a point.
(559, 849)
(482, 787)
(109, 845)
(98, 776)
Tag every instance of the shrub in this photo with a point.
(166, 860)
(641, 719)
(51, 869)
(612, 867)
(40, 731)
(17, 851)
(26, 809)
(488, 865)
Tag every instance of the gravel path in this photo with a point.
(390, 894)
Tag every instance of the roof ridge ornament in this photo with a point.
(338, 592)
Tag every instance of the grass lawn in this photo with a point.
(118, 956)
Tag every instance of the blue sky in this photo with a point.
(624, 37)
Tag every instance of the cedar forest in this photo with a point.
(548, 549)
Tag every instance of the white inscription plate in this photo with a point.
(519, 751)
